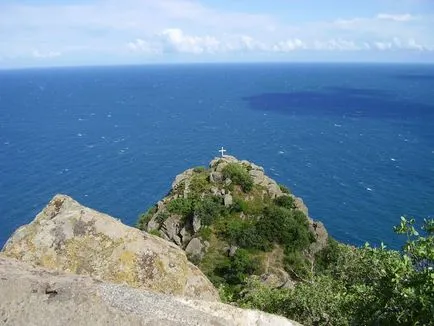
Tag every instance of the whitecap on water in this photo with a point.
(281, 152)
(393, 159)
(80, 135)
(63, 171)
(368, 189)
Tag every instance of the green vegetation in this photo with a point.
(361, 286)
(209, 209)
(237, 268)
(155, 232)
(284, 189)
(181, 206)
(239, 175)
(162, 216)
(145, 218)
(199, 169)
(285, 201)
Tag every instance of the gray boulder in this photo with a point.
(216, 177)
(195, 248)
(228, 200)
(196, 223)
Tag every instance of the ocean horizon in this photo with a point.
(354, 141)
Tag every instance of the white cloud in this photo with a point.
(338, 45)
(142, 46)
(174, 39)
(398, 44)
(382, 46)
(289, 45)
(396, 18)
(45, 55)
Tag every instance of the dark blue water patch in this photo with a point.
(416, 77)
(342, 102)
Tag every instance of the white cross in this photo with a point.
(223, 151)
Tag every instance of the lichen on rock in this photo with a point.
(69, 237)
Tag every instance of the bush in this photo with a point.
(155, 232)
(237, 268)
(205, 233)
(239, 206)
(162, 217)
(285, 202)
(144, 219)
(297, 265)
(284, 189)
(181, 206)
(198, 185)
(278, 225)
(208, 209)
(327, 257)
(239, 175)
(199, 169)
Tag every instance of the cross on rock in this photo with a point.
(222, 150)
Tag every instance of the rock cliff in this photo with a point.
(35, 296)
(67, 236)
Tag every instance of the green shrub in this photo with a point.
(209, 209)
(162, 217)
(205, 233)
(239, 206)
(285, 202)
(144, 219)
(327, 257)
(155, 232)
(239, 175)
(297, 265)
(284, 189)
(237, 268)
(181, 206)
(199, 184)
(278, 225)
(199, 169)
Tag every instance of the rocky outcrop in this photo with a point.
(189, 231)
(67, 236)
(36, 296)
(173, 228)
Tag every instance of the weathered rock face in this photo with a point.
(37, 296)
(67, 236)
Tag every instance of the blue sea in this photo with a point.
(355, 141)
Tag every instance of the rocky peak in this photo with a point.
(228, 190)
(67, 236)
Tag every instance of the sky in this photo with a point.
(44, 33)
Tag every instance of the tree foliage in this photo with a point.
(362, 286)
(239, 175)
